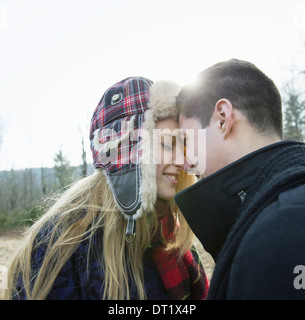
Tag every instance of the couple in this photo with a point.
(126, 231)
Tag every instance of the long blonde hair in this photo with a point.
(86, 207)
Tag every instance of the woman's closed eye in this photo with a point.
(167, 146)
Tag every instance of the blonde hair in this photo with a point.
(86, 207)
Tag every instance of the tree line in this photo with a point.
(22, 192)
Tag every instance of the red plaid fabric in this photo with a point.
(184, 279)
(128, 153)
(110, 120)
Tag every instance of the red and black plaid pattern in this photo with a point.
(128, 152)
(111, 117)
(184, 279)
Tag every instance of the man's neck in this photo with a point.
(248, 143)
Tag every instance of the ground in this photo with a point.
(10, 242)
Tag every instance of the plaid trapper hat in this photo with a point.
(126, 109)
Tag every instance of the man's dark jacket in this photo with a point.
(250, 216)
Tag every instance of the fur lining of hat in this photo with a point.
(162, 99)
(162, 104)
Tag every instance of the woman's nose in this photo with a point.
(178, 157)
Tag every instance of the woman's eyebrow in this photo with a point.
(176, 138)
(168, 136)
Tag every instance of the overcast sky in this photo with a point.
(57, 57)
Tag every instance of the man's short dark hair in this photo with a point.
(244, 85)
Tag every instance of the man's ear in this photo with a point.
(224, 116)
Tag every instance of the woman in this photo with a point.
(117, 234)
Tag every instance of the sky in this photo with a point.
(57, 58)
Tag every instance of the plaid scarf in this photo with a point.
(184, 278)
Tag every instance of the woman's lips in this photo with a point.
(173, 178)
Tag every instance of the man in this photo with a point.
(249, 209)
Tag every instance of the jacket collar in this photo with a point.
(212, 205)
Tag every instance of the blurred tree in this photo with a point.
(294, 113)
(294, 118)
(84, 160)
(43, 181)
(84, 165)
(13, 189)
(63, 170)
